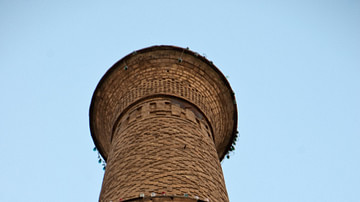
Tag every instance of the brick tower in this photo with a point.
(163, 118)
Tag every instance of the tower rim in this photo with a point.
(92, 111)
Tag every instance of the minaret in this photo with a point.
(163, 118)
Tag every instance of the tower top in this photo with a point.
(164, 71)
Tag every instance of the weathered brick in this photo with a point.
(163, 124)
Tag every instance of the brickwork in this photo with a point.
(162, 118)
(161, 145)
(165, 199)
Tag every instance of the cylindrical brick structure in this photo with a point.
(163, 118)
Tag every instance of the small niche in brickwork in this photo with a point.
(138, 112)
(167, 105)
(198, 122)
(152, 105)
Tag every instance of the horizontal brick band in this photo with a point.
(168, 105)
(167, 199)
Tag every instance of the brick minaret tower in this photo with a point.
(163, 118)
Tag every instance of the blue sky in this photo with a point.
(294, 67)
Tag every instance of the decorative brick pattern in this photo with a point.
(166, 199)
(162, 118)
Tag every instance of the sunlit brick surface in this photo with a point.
(163, 117)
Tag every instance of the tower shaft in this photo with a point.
(163, 145)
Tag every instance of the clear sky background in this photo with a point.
(294, 67)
